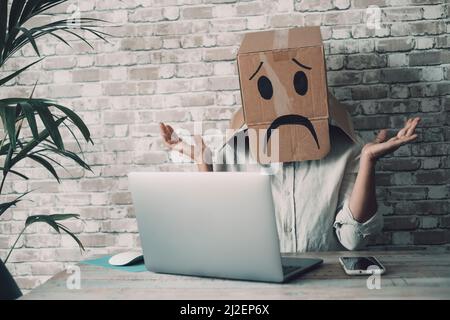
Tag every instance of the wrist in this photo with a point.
(202, 156)
(367, 160)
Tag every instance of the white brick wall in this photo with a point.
(174, 61)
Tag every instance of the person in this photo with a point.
(321, 205)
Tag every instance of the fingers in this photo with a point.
(381, 136)
(162, 128)
(408, 139)
(164, 132)
(166, 129)
(413, 126)
(173, 136)
(403, 131)
(169, 129)
(168, 134)
(403, 140)
(408, 129)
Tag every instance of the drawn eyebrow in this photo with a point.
(301, 64)
(254, 74)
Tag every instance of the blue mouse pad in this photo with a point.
(103, 262)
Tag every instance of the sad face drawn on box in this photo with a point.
(283, 88)
(300, 85)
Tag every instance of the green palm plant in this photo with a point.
(44, 118)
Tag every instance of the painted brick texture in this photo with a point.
(174, 61)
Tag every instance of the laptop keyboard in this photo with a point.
(289, 269)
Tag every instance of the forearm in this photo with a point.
(203, 158)
(203, 167)
(363, 201)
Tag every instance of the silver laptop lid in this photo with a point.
(219, 224)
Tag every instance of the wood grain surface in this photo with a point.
(410, 275)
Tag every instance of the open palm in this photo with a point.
(197, 152)
(382, 146)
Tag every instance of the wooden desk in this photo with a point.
(410, 275)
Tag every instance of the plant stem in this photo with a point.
(14, 245)
(3, 182)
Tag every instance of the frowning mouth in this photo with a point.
(294, 119)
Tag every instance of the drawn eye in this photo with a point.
(265, 87)
(300, 83)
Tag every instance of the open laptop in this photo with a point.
(212, 224)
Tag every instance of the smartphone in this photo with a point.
(361, 265)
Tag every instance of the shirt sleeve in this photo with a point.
(352, 234)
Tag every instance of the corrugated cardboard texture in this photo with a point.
(282, 73)
(237, 119)
(296, 143)
(340, 115)
(281, 39)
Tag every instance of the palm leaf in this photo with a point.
(46, 6)
(17, 173)
(67, 154)
(7, 164)
(50, 124)
(14, 15)
(31, 39)
(60, 25)
(59, 38)
(97, 33)
(64, 216)
(76, 138)
(73, 135)
(29, 10)
(77, 36)
(15, 101)
(34, 89)
(31, 118)
(39, 152)
(14, 35)
(8, 115)
(51, 217)
(4, 149)
(42, 218)
(3, 23)
(30, 107)
(66, 230)
(47, 165)
(44, 134)
(6, 205)
(15, 74)
(77, 121)
(51, 220)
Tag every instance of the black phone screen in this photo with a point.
(360, 263)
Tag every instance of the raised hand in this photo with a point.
(198, 152)
(382, 146)
(171, 140)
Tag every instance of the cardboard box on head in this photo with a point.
(282, 76)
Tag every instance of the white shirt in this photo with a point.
(311, 198)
